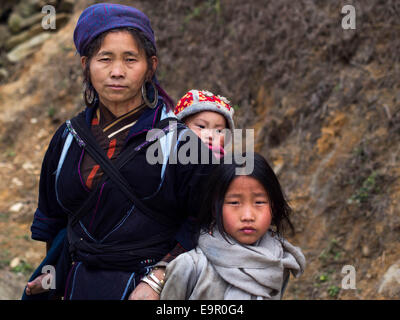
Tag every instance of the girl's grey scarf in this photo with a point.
(252, 270)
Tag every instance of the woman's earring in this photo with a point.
(153, 104)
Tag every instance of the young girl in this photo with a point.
(238, 255)
(208, 116)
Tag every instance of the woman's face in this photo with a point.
(118, 70)
(246, 211)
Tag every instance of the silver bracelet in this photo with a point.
(152, 284)
(156, 280)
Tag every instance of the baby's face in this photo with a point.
(209, 126)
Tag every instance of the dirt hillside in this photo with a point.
(324, 103)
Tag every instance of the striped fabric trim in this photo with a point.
(122, 129)
(119, 119)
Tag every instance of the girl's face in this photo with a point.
(118, 69)
(209, 126)
(246, 210)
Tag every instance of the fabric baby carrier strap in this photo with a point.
(118, 256)
(78, 128)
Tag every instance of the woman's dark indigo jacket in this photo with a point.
(112, 219)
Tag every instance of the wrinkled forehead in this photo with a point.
(120, 41)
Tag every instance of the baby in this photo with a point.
(208, 116)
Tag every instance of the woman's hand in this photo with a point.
(144, 292)
(35, 286)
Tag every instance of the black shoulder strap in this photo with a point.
(81, 132)
(166, 125)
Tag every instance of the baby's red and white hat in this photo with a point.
(196, 101)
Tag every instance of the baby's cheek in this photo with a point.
(222, 140)
(195, 129)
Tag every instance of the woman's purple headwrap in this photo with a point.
(102, 17)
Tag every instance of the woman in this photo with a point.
(114, 239)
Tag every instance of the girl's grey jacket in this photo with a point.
(220, 270)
